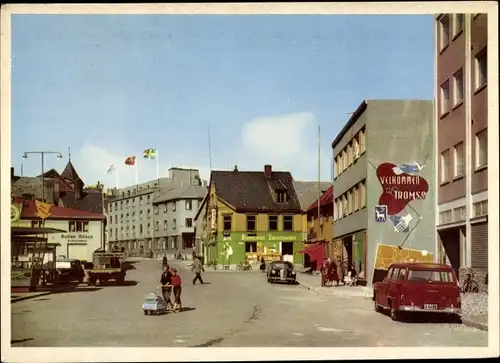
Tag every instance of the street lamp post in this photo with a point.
(42, 156)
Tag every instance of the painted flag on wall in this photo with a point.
(130, 161)
(43, 210)
(402, 223)
(149, 154)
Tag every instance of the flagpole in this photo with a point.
(116, 176)
(319, 174)
(209, 149)
(137, 171)
(157, 165)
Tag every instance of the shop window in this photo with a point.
(287, 223)
(250, 247)
(273, 223)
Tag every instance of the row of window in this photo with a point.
(447, 24)
(73, 226)
(459, 214)
(448, 101)
(351, 152)
(273, 223)
(131, 203)
(188, 223)
(188, 205)
(453, 160)
(352, 200)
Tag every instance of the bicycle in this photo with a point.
(243, 267)
(470, 285)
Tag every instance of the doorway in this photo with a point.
(287, 251)
(451, 242)
(347, 251)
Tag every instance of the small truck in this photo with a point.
(107, 266)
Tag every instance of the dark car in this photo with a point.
(64, 270)
(418, 288)
(281, 271)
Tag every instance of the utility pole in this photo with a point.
(42, 157)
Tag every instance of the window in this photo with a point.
(458, 160)
(344, 159)
(140, 200)
(149, 227)
(250, 223)
(140, 214)
(165, 208)
(157, 226)
(287, 223)
(356, 198)
(165, 225)
(362, 142)
(157, 209)
(481, 208)
(273, 223)
(174, 207)
(427, 275)
(149, 212)
(110, 219)
(362, 195)
(250, 247)
(445, 217)
(121, 204)
(445, 166)
(349, 202)
(349, 155)
(189, 222)
(482, 148)
(141, 229)
(335, 168)
(227, 223)
(355, 148)
(481, 68)
(110, 207)
(281, 197)
(401, 274)
(344, 205)
(459, 214)
(38, 224)
(116, 232)
(111, 232)
(189, 205)
(444, 31)
(78, 226)
(340, 165)
(458, 87)
(445, 97)
(174, 223)
(458, 24)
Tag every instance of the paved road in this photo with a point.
(237, 309)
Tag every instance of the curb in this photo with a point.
(475, 324)
(27, 297)
(319, 292)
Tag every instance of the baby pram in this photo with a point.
(154, 304)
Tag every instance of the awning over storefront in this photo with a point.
(315, 251)
(28, 231)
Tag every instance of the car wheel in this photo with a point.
(269, 280)
(375, 305)
(394, 314)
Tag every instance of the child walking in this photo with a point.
(177, 289)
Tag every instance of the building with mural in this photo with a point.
(384, 195)
(462, 142)
(249, 215)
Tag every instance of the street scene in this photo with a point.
(232, 309)
(250, 181)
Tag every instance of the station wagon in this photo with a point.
(418, 288)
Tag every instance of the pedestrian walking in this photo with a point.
(197, 269)
(177, 289)
(166, 285)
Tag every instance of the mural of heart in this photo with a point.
(398, 190)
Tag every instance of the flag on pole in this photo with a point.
(111, 169)
(150, 154)
(130, 161)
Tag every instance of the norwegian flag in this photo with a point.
(402, 223)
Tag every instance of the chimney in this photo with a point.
(235, 168)
(268, 170)
(11, 173)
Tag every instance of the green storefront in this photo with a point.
(237, 247)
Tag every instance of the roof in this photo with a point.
(29, 212)
(27, 231)
(70, 173)
(90, 201)
(33, 186)
(421, 265)
(355, 116)
(325, 199)
(183, 192)
(251, 191)
(307, 192)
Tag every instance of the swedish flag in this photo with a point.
(149, 154)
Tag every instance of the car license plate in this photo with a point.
(430, 306)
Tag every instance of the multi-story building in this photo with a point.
(462, 140)
(384, 200)
(251, 215)
(130, 211)
(174, 212)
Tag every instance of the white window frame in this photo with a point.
(355, 147)
(444, 27)
(345, 210)
(356, 198)
(362, 142)
(481, 77)
(444, 175)
(350, 158)
(362, 195)
(458, 29)
(458, 87)
(481, 137)
(344, 159)
(458, 157)
(444, 101)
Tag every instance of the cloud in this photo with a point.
(287, 142)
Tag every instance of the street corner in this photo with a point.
(473, 323)
(29, 295)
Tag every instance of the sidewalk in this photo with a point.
(15, 297)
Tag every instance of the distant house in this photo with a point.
(249, 215)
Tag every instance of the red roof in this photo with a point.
(325, 199)
(57, 212)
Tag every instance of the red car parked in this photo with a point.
(418, 287)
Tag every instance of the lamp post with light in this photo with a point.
(42, 156)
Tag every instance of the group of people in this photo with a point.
(332, 272)
(171, 282)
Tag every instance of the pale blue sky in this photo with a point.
(110, 86)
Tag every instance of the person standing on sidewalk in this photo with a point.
(177, 289)
(197, 269)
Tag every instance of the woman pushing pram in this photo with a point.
(166, 286)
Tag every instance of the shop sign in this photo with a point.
(76, 237)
